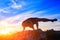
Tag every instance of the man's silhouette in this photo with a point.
(31, 21)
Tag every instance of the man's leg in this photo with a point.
(23, 28)
(37, 25)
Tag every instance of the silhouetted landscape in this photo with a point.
(33, 35)
(52, 35)
(26, 35)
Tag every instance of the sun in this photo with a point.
(4, 32)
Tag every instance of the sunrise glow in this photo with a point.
(4, 32)
(7, 31)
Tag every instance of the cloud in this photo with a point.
(13, 9)
(21, 17)
(29, 14)
(4, 11)
(54, 15)
(17, 6)
(49, 25)
(51, 16)
(12, 5)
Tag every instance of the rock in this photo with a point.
(27, 35)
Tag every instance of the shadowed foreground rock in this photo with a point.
(27, 35)
(53, 34)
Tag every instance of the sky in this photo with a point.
(14, 12)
